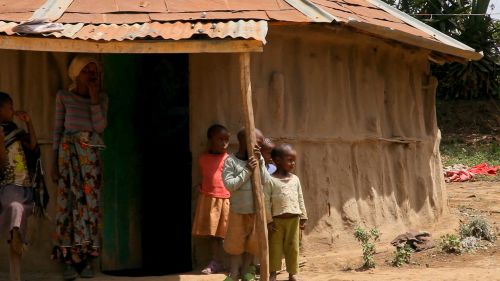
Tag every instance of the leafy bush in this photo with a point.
(477, 227)
(367, 240)
(402, 255)
(450, 243)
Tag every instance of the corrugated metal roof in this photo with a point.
(181, 19)
(171, 30)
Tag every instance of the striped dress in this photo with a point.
(78, 124)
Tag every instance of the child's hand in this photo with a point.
(252, 163)
(256, 151)
(271, 227)
(23, 116)
(303, 224)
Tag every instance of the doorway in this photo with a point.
(147, 166)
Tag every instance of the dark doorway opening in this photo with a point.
(149, 123)
(166, 195)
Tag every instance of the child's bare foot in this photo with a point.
(272, 276)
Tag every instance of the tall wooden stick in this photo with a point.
(261, 227)
(15, 265)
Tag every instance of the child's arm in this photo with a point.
(302, 205)
(264, 174)
(31, 143)
(233, 181)
(268, 192)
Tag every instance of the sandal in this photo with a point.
(212, 267)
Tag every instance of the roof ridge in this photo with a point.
(312, 11)
(420, 25)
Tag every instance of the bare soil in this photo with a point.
(342, 260)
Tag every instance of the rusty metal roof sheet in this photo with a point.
(181, 19)
(10, 6)
(171, 30)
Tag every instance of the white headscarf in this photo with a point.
(76, 66)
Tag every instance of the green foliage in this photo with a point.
(402, 255)
(475, 79)
(367, 240)
(477, 227)
(450, 243)
(470, 155)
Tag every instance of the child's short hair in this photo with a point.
(280, 150)
(214, 129)
(4, 98)
(241, 133)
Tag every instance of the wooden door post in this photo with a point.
(261, 226)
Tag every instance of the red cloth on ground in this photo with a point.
(457, 176)
(484, 169)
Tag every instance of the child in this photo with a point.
(241, 242)
(285, 212)
(79, 123)
(267, 147)
(16, 192)
(212, 209)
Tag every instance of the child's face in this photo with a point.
(219, 141)
(7, 112)
(287, 161)
(259, 138)
(266, 152)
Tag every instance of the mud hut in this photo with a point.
(347, 82)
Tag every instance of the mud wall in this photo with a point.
(360, 113)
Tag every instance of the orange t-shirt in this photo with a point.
(211, 173)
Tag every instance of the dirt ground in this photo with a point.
(342, 261)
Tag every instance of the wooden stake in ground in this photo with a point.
(261, 227)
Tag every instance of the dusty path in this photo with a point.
(464, 198)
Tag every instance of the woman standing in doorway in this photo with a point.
(80, 120)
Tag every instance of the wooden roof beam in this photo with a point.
(25, 43)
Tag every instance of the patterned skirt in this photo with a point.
(78, 209)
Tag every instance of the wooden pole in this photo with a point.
(14, 264)
(261, 226)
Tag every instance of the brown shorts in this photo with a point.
(211, 215)
(241, 236)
